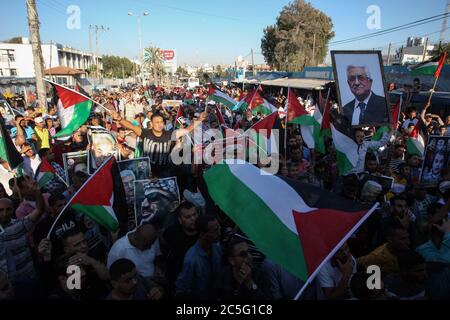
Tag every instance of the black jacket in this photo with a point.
(376, 110)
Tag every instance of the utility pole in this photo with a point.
(97, 30)
(314, 51)
(425, 50)
(389, 54)
(253, 63)
(33, 25)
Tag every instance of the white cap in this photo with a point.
(38, 120)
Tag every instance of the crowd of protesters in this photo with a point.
(201, 254)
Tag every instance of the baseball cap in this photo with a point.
(38, 120)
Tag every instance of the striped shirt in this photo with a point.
(15, 239)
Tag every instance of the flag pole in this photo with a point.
(62, 180)
(285, 127)
(432, 90)
(79, 93)
(76, 193)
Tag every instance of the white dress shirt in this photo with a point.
(357, 110)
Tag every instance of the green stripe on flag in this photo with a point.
(379, 133)
(222, 100)
(99, 214)
(79, 117)
(344, 165)
(256, 220)
(44, 178)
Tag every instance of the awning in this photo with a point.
(306, 84)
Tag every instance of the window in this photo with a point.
(13, 72)
(11, 55)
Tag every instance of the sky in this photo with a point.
(211, 31)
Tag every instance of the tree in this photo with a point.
(15, 40)
(182, 71)
(289, 44)
(153, 62)
(117, 67)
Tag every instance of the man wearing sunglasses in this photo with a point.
(367, 107)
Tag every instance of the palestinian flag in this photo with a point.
(220, 97)
(8, 151)
(416, 142)
(256, 103)
(379, 133)
(346, 148)
(429, 68)
(189, 98)
(325, 129)
(311, 134)
(100, 193)
(73, 109)
(261, 137)
(295, 225)
(296, 112)
(44, 173)
(179, 117)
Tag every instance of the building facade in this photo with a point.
(16, 59)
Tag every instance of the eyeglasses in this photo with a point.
(360, 78)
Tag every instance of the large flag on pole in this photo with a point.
(429, 68)
(8, 151)
(220, 97)
(73, 109)
(295, 225)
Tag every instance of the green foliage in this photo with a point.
(112, 66)
(288, 45)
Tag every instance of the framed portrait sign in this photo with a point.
(436, 158)
(361, 89)
(75, 161)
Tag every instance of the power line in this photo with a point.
(391, 30)
(208, 14)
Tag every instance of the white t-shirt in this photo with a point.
(144, 260)
(30, 165)
(330, 276)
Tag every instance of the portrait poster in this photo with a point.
(73, 162)
(361, 89)
(436, 158)
(155, 199)
(130, 171)
(103, 145)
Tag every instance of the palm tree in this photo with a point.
(153, 62)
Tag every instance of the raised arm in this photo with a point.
(184, 131)
(126, 124)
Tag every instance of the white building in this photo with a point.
(16, 59)
(414, 52)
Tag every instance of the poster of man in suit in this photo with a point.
(361, 90)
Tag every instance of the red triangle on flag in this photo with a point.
(294, 108)
(396, 113)
(265, 124)
(441, 64)
(68, 97)
(321, 230)
(98, 190)
(45, 166)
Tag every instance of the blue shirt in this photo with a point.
(199, 271)
(27, 130)
(432, 254)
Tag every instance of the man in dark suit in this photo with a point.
(367, 107)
